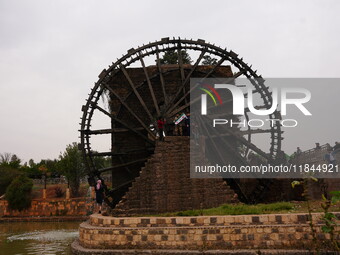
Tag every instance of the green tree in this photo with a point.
(33, 173)
(7, 175)
(31, 170)
(208, 61)
(171, 57)
(15, 161)
(71, 165)
(101, 162)
(31, 163)
(18, 193)
(52, 166)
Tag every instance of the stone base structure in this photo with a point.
(164, 184)
(200, 235)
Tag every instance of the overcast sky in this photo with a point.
(51, 52)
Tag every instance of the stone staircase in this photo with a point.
(164, 184)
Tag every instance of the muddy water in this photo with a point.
(43, 238)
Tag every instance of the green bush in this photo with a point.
(18, 193)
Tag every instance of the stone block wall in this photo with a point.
(164, 184)
(273, 231)
(50, 207)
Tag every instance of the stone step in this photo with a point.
(77, 249)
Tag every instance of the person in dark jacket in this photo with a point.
(99, 189)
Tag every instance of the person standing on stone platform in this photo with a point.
(160, 124)
(99, 189)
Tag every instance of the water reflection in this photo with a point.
(37, 238)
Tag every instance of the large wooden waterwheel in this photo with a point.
(139, 89)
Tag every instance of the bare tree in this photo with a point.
(10, 159)
(5, 158)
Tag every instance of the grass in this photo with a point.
(244, 209)
(237, 209)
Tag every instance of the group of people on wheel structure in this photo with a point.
(180, 126)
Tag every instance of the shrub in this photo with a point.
(18, 193)
(58, 192)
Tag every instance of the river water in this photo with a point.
(37, 238)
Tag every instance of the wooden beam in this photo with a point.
(129, 109)
(150, 85)
(193, 68)
(126, 125)
(161, 76)
(181, 69)
(109, 131)
(122, 165)
(191, 89)
(140, 99)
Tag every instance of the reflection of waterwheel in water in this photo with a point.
(139, 90)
